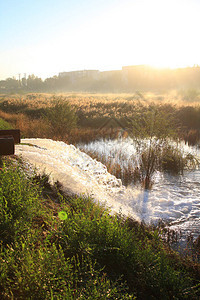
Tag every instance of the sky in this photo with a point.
(45, 37)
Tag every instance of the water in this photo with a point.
(175, 199)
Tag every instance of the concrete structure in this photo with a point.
(109, 74)
(75, 75)
(15, 133)
(130, 73)
(135, 74)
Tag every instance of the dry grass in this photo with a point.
(85, 99)
(93, 110)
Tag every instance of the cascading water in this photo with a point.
(174, 199)
(76, 171)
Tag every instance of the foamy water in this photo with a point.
(172, 198)
(77, 171)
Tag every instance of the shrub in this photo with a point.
(4, 124)
(61, 118)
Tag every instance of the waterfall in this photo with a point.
(76, 171)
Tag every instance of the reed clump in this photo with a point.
(140, 168)
(174, 161)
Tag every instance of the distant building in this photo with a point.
(75, 75)
(130, 73)
(133, 77)
(109, 74)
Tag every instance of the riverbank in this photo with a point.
(58, 246)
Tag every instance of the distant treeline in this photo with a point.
(129, 79)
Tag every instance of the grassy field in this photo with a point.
(54, 246)
(97, 115)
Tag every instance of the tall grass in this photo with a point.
(96, 113)
(169, 158)
(72, 248)
(33, 264)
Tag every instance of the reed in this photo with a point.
(99, 113)
(149, 158)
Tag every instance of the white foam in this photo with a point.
(77, 171)
(171, 198)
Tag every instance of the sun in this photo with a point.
(166, 64)
(158, 34)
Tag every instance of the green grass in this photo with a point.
(4, 124)
(58, 247)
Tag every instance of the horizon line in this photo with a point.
(112, 70)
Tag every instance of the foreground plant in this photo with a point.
(19, 202)
(71, 248)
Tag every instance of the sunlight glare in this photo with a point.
(159, 33)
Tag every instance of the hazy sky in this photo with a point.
(45, 37)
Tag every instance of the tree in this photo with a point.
(34, 83)
(50, 84)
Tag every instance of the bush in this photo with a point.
(61, 118)
(4, 124)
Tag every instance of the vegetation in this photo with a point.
(96, 116)
(4, 124)
(54, 246)
(154, 131)
(85, 118)
(139, 169)
(151, 131)
(127, 80)
(61, 118)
